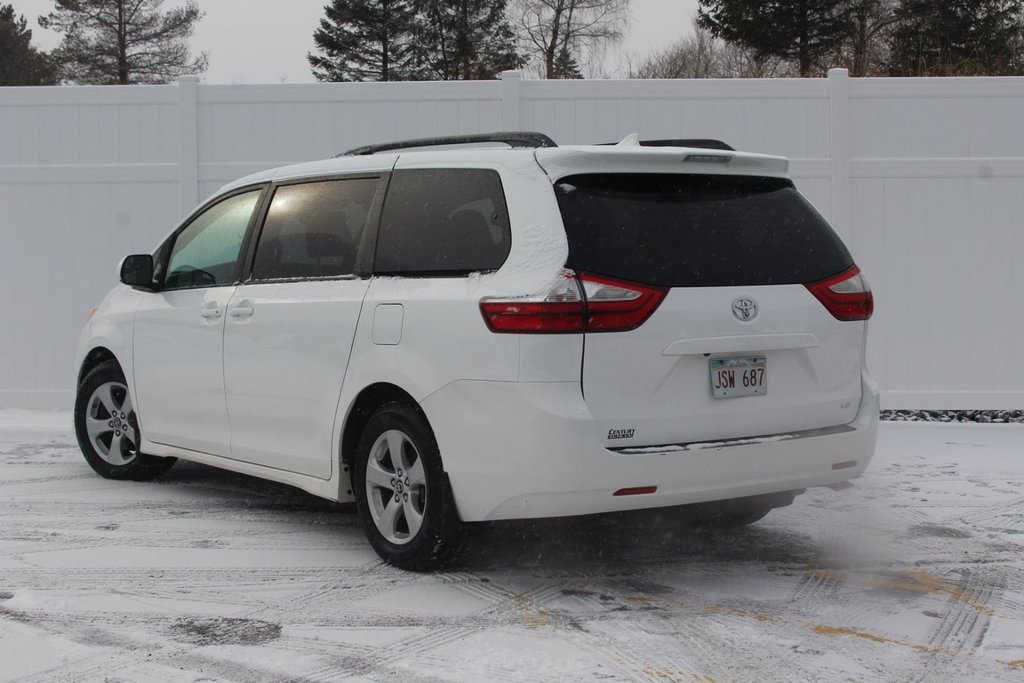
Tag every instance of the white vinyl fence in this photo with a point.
(924, 178)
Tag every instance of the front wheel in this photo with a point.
(108, 429)
(401, 491)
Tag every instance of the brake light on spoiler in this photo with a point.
(578, 303)
(847, 296)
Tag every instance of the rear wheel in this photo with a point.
(108, 429)
(401, 491)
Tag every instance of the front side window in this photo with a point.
(443, 222)
(205, 253)
(313, 230)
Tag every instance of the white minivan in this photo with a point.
(493, 327)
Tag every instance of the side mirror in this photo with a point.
(137, 271)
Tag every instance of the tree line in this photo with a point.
(739, 38)
(445, 40)
(137, 41)
(105, 42)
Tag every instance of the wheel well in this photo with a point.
(93, 358)
(368, 400)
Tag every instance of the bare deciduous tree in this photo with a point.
(701, 55)
(111, 42)
(558, 34)
(865, 52)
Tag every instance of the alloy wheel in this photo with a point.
(110, 423)
(396, 487)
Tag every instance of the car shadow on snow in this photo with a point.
(606, 544)
(625, 544)
(231, 488)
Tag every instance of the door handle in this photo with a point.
(243, 309)
(212, 312)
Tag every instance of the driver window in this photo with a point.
(205, 253)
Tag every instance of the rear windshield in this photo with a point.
(676, 230)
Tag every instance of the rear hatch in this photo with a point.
(760, 326)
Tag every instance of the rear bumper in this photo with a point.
(519, 450)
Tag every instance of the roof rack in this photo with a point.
(697, 143)
(513, 139)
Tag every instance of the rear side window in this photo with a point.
(443, 222)
(314, 229)
(675, 230)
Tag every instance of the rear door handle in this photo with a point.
(243, 309)
(212, 311)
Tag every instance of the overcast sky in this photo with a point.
(266, 41)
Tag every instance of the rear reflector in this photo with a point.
(636, 491)
(847, 296)
(578, 303)
(848, 465)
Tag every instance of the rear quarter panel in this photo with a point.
(443, 337)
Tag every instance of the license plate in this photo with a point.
(734, 377)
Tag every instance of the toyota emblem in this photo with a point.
(744, 309)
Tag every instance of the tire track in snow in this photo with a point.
(964, 624)
(816, 586)
(638, 655)
(348, 665)
(1013, 512)
(502, 603)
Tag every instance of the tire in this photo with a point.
(402, 493)
(108, 429)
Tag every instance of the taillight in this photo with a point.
(616, 306)
(577, 303)
(559, 311)
(847, 296)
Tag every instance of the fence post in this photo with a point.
(188, 142)
(510, 81)
(839, 144)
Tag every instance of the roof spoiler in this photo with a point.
(699, 143)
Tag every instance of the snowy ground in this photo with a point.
(915, 573)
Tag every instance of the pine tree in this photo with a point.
(110, 42)
(467, 39)
(20, 63)
(565, 66)
(367, 40)
(976, 38)
(806, 32)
